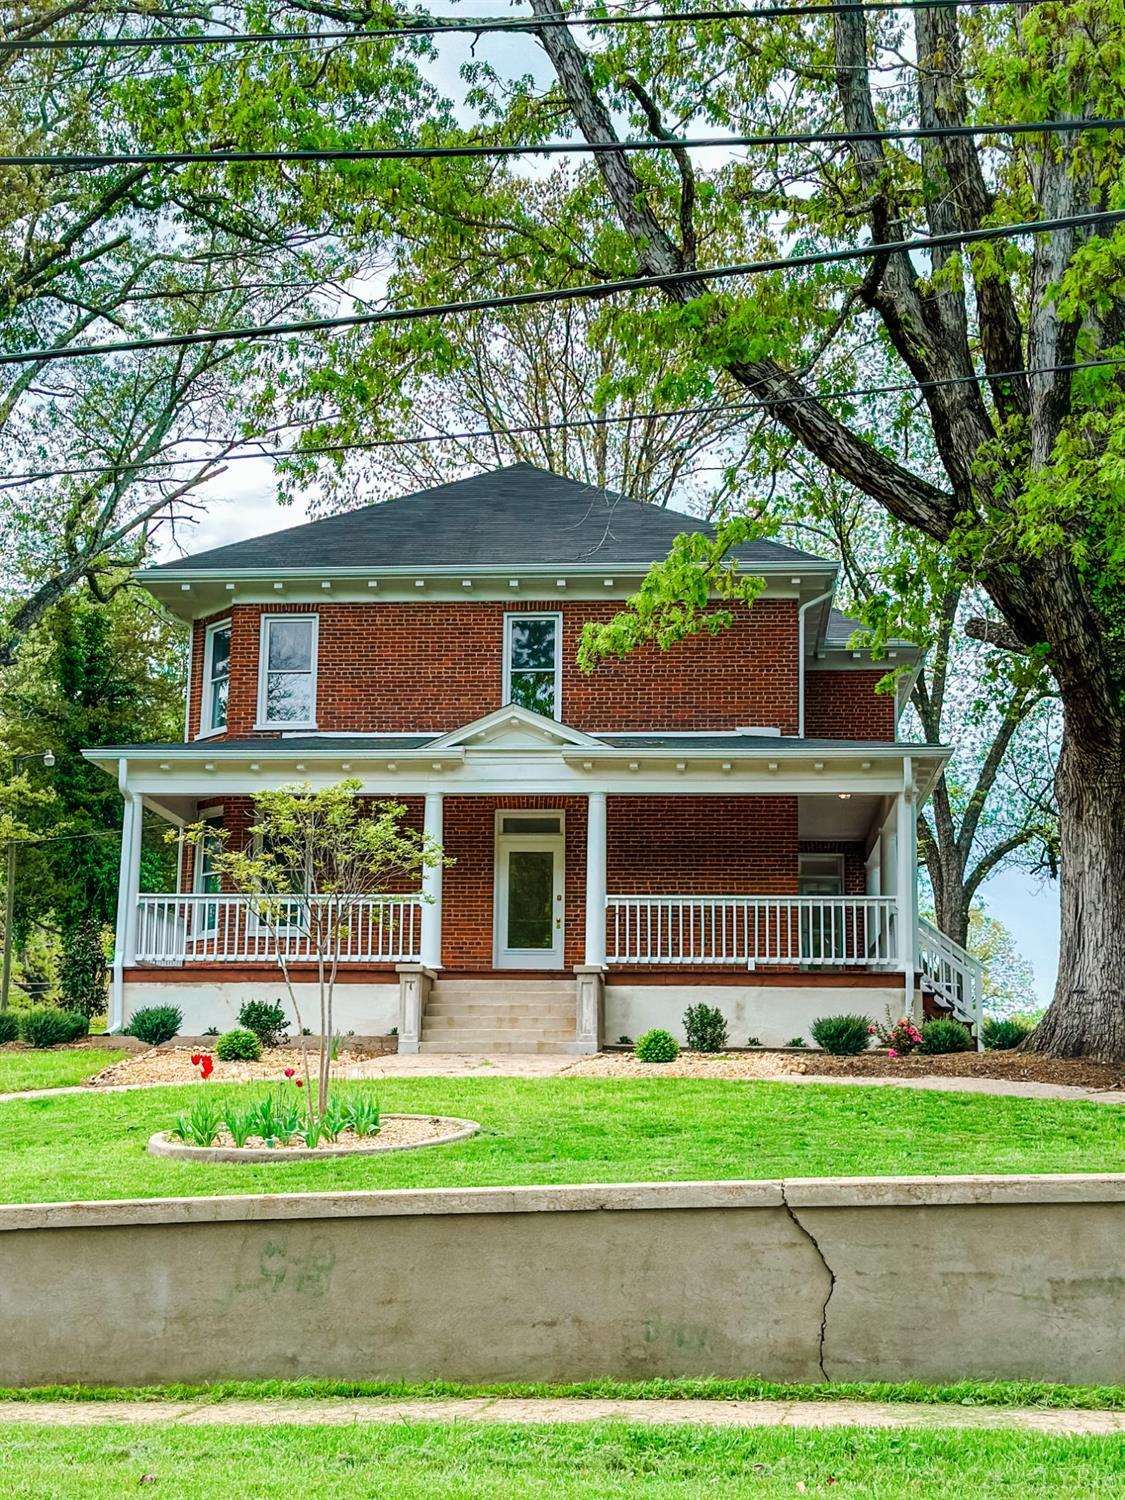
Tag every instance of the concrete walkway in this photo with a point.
(797, 1414)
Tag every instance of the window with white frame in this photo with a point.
(533, 663)
(216, 678)
(287, 674)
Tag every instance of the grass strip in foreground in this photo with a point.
(422, 1461)
(53, 1070)
(993, 1393)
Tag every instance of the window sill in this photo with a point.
(210, 734)
(289, 726)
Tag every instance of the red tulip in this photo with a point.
(300, 1083)
(207, 1065)
(289, 1072)
(195, 1059)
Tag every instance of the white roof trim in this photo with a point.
(514, 717)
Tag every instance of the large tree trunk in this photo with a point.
(1086, 1018)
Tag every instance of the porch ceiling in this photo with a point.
(849, 820)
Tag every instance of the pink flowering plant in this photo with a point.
(900, 1038)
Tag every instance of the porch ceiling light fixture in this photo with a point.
(230, 588)
(725, 766)
(865, 765)
(818, 765)
(681, 765)
(392, 765)
(255, 765)
(466, 583)
(436, 765)
(771, 765)
(279, 587)
(372, 583)
(326, 584)
(208, 765)
(345, 765)
(608, 582)
(560, 583)
(300, 766)
(513, 583)
(634, 765)
(165, 765)
(587, 765)
(844, 796)
(419, 583)
(185, 588)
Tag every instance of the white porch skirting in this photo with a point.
(773, 1014)
(366, 1009)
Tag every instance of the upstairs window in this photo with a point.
(287, 675)
(533, 663)
(216, 678)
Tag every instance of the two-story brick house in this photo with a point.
(731, 819)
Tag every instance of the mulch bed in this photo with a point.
(1018, 1067)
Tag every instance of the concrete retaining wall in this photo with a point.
(849, 1279)
(773, 1013)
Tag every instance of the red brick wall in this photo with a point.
(395, 668)
(733, 846)
(845, 705)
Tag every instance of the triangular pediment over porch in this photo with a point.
(514, 728)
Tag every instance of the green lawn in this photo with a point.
(601, 1461)
(53, 1070)
(574, 1130)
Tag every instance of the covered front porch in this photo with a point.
(643, 868)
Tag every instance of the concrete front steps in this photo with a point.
(499, 1015)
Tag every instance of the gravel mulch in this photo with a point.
(174, 1065)
(1012, 1067)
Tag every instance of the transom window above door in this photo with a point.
(287, 672)
(533, 663)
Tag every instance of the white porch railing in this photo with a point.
(188, 929)
(820, 931)
(956, 977)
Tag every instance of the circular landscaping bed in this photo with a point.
(396, 1133)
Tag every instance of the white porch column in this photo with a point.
(431, 886)
(906, 885)
(595, 878)
(128, 881)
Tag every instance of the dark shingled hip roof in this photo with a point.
(518, 515)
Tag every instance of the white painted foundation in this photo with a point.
(772, 1013)
(367, 1009)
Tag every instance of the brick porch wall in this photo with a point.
(399, 668)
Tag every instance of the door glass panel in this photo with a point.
(531, 887)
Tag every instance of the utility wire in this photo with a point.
(567, 293)
(713, 409)
(557, 148)
(451, 25)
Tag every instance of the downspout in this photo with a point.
(801, 612)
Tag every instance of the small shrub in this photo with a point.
(944, 1034)
(796, 1041)
(1000, 1035)
(9, 1027)
(657, 1047)
(705, 1027)
(841, 1036)
(46, 1026)
(155, 1024)
(624, 1041)
(238, 1045)
(211, 1031)
(266, 1021)
(753, 1041)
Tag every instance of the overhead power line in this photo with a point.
(529, 428)
(451, 25)
(563, 294)
(557, 148)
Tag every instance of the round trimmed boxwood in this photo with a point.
(155, 1024)
(47, 1026)
(9, 1027)
(657, 1046)
(842, 1036)
(266, 1021)
(944, 1034)
(238, 1045)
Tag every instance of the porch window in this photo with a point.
(533, 663)
(216, 678)
(820, 874)
(287, 677)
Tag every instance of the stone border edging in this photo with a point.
(161, 1144)
(790, 1193)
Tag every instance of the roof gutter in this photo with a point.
(801, 612)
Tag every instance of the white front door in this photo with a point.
(529, 906)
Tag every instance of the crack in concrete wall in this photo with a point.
(815, 1243)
